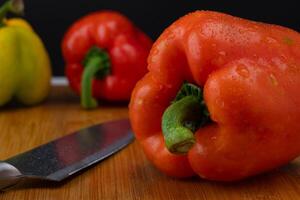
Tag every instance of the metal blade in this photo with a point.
(65, 156)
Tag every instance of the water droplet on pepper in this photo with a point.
(273, 80)
(242, 71)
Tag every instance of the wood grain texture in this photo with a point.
(127, 174)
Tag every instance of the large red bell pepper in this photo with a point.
(105, 56)
(221, 98)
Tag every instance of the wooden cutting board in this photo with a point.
(127, 174)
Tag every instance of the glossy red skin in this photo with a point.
(126, 45)
(250, 73)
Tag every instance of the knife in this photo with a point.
(63, 157)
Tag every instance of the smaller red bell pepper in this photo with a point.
(105, 56)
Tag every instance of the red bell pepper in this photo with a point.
(105, 56)
(221, 99)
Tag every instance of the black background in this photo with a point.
(51, 18)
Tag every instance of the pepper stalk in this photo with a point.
(13, 6)
(183, 117)
(96, 65)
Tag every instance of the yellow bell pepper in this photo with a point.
(25, 69)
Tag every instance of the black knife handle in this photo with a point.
(9, 176)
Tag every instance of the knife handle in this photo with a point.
(9, 176)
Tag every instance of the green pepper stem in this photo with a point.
(97, 65)
(178, 138)
(182, 118)
(87, 101)
(14, 6)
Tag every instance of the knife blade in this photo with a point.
(67, 155)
